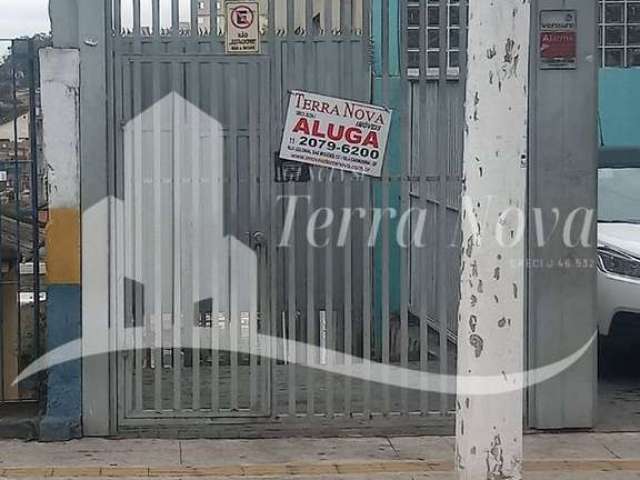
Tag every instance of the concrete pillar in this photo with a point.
(95, 152)
(489, 427)
(60, 87)
(82, 24)
(562, 186)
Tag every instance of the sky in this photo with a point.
(22, 17)
(26, 17)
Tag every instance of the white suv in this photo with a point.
(618, 247)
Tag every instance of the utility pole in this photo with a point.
(491, 321)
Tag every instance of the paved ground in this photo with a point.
(619, 383)
(563, 456)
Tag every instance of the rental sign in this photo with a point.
(335, 133)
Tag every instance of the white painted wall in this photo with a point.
(60, 84)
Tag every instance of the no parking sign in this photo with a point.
(243, 31)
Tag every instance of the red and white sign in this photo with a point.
(243, 30)
(335, 133)
(558, 39)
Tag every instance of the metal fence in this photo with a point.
(174, 93)
(22, 218)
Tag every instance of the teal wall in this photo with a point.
(619, 108)
(395, 100)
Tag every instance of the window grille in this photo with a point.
(619, 33)
(432, 24)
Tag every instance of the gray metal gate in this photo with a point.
(22, 218)
(177, 94)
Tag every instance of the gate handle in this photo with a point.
(257, 239)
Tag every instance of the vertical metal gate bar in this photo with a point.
(366, 297)
(291, 314)
(290, 19)
(234, 231)
(443, 157)
(177, 235)
(17, 189)
(129, 158)
(332, 317)
(308, 23)
(113, 145)
(195, 234)
(404, 207)
(385, 214)
(213, 23)
(275, 123)
(329, 308)
(346, 22)
(119, 235)
(273, 252)
(331, 314)
(157, 243)
(195, 28)
(347, 63)
(366, 248)
(157, 317)
(328, 17)
(252, 188)
(348, 304)
(138, 320)
(111, 156)
(155, 24)
(217, 249)
(227, 252)
(117, 18)
(287, 72)
(35, 223)
(136, 20)
(175, 19)
(311, 310)
(423, 186)
(310, 82)
(265, 203)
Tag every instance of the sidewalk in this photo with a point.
(563, 456)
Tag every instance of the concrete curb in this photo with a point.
(306, 469)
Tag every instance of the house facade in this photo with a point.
(188, 311)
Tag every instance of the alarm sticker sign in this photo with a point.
(558, 39)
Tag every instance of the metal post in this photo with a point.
(33, 129)
(16, 186)
(489, 427)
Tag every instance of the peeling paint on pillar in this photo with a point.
(60, 90)
(495, 183)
